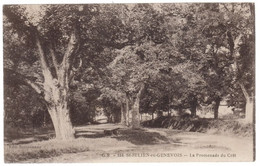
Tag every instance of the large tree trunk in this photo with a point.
(135, 110)
(249, 112)
(249, 109)
(216, 107)
(136, 115)
(57, 99)
(61, 122)
(127, 112)
(123, 114)
(56, 89)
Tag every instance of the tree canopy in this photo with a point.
(141, 58)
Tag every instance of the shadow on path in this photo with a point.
(141, 137)
(135, 136)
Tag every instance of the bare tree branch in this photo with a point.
(45, 67)
(69, 51)
(226, 7)
(244, 91)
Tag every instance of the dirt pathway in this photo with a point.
(157, 145)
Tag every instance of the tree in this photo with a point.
(210, 38)
(58, 36)
(241, 46)
(137, 68)
(228, 30)
(56, 85)
(201, 48)
(236, 24)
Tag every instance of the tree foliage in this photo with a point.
(148, 56)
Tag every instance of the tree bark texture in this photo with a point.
(127, 111)
(123, 114)
(193, 107)
(249, 112)
(249, 108)
(135, 110)
(216, 107)
(56, 90)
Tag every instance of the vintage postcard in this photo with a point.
(136, 82)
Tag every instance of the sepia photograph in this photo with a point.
(128, 82)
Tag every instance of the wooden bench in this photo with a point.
(109, 132)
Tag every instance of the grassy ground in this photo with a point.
(42, 145)
(213, 126)
(43, 149)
